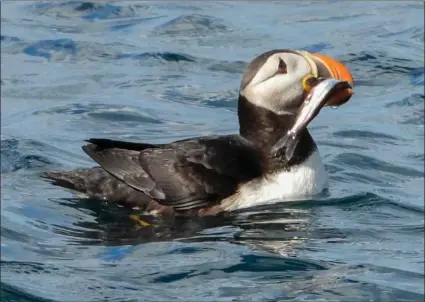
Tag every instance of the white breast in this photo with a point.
(301, 182)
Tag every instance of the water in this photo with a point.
(162, 71)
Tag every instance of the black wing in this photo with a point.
(185, 174)
(110, 143)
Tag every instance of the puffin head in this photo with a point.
(279, 80)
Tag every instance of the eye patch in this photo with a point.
(282, 67)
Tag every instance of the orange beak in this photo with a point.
(329, 67)
(335, 68)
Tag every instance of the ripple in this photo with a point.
(356, 200)
(8, 40)
(377, 137)
(57, 50)
(365, 162)
(191, 25)
(13, 160)
(123, 116)
(116, 114)
(27, 267)
(419, 157)
(85, 10)
(366, 199)
(383, 274)
(226, 99)
(48, 48)
(15, 235)
(378, 68)
(231, 67)
(159, 56)
(417, 119)
(11, 293)
(341, 145)
(252, 263)
(68, 49)
(126, 24)
(413, 100)
(413, 109)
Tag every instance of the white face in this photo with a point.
(273, 88)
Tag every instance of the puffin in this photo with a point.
(216, 174)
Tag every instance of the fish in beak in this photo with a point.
(330, 85)
(324, 66)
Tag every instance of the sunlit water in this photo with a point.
(158, 71)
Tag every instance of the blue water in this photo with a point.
(162, 71)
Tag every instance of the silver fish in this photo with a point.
(311, 106)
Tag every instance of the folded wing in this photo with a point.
(185, 174)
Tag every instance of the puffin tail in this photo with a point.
(73, 180)
(98, 184)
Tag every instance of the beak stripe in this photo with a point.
(310, 61)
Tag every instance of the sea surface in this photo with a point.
(159, 71)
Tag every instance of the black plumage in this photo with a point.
(186, 174)
(189, 174)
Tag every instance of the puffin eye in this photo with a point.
(282, 67)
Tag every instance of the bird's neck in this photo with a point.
(264, 128)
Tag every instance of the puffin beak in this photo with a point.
(335, 68)
(328, 67)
